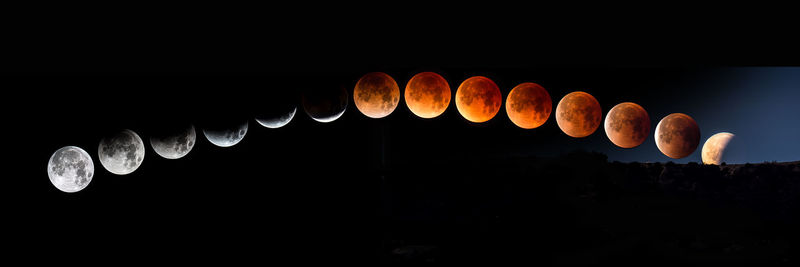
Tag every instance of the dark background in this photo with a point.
(358, 189)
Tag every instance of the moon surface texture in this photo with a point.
(578, 114)
(528, 105)
(715, 147)
(277, 120)
(627, 125)
(376, 95)
(478, 99)
(174, 143)
(121, 153)
(70, 169)
(325, 105)
(226, 134)
(677, 135)
(427, 95)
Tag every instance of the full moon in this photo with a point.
(121, 153)
(70, 169)
(226, 134)
(478, 99)
(578, 114)
(427, 95)
(528, 105)
(677, 135)
(627, 125)
(376, 95)
(174, 143)
(714, 148)
(325, 105)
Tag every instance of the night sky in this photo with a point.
(350, 190)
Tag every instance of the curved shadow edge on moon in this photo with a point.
(627, 125)
(714, 148)
(677, 135)
(175, 145)
(226, 137)
(121, 153)
(277, 122)
(70, 169)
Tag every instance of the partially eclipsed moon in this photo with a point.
(627, 125)
(427, 95)
(376, 95)
(226, 135)
(677, 135)
(478, 99)
(528, 105)
(274, 122)
(174, 143)
(715, 147)
(578, 114)
(70, 169)
(325, 105)
(121, 153)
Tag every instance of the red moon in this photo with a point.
(627, 125)
(528, 105)
(427, 95)
(376, 95)
(478, 99)
(677, 135)
(578, 114)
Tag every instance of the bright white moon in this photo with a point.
(277, 122)
(715, 147)
(226, 137)
(121, 153)
(174, 145)
(70, 169)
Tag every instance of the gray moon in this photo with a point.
(70, 169)
(714, 148)
(277, 121)
(325, 105)
(121, 153)
(226, 137)
(174, 145)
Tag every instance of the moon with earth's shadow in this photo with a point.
(427, 95)
(578, 114)
(627, 125)
(121, 153)
(325, 105)
(376, 95)
(528, 105)
(175, 142)
(70, 169)
(677, 135)
(478, 99)
(226, 133)
(278, 119)
(714, 148)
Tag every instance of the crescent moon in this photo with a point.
(715, 147)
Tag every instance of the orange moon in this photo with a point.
(528, 105)
(677, 135)
(714, 148)
(578, 114)
(478, 99)
(376, 95)
(627, 125)
(427, 95)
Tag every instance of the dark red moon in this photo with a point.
(578, 114)
(528, 105)
(627, 125)
(478, 99)
(677, 135)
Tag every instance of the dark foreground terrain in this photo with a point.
(581, 209)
